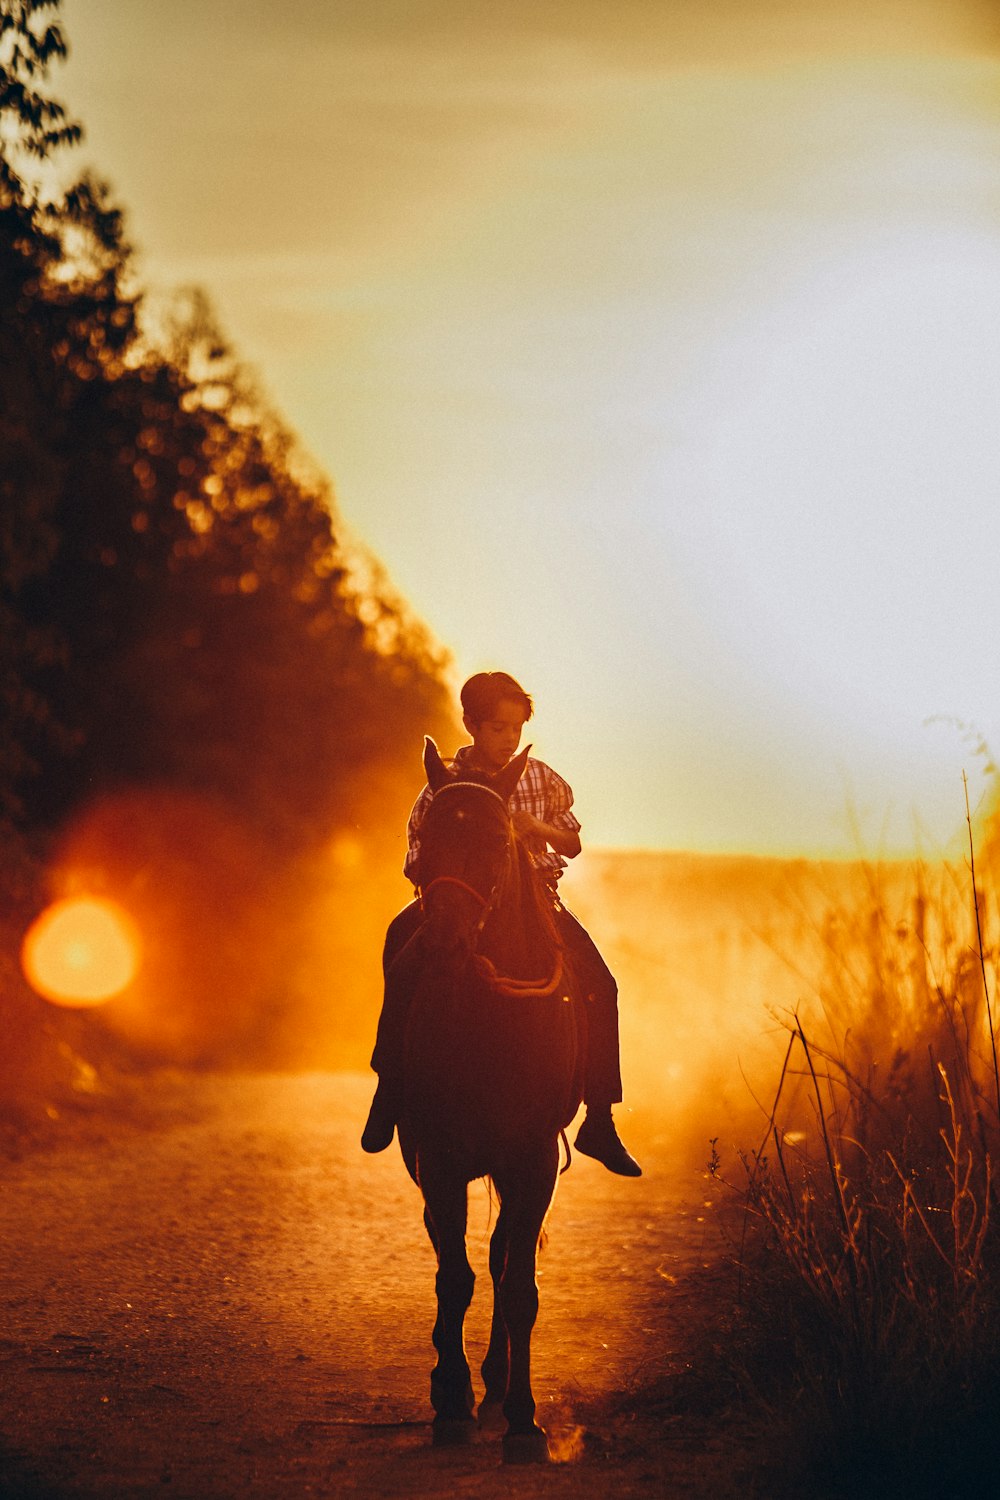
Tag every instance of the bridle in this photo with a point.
(527, 989)
(470, 890)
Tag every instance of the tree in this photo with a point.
(174, 595)
(176, 608)
(32, 124)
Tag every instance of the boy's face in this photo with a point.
(496, 739)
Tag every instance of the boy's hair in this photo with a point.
(483, 694)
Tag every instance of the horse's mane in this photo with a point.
(519, 936)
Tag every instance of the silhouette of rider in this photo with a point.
(495, 711)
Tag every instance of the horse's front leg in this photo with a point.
(526, 1193)
(496, 1365)
(451, 1386)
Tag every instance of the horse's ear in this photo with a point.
(437, 772)
(506, 780)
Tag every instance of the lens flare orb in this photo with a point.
(81, 951)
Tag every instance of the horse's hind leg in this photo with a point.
(451, 1385)
(526, 1194)
(496, 1365)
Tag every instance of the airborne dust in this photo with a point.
(252, 961)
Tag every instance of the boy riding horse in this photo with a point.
(495, 711)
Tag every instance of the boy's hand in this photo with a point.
(562, 842)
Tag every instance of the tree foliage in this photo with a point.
(181, 632)
(30, 120)
(174, 602)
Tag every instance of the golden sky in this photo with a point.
(652, 346)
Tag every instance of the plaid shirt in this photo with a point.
(540, 792)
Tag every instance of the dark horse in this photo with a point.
(492, 1076)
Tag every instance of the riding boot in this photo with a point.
(382, 1117)
(597, 1137)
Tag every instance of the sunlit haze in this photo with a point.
(656, 360)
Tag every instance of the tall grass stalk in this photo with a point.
(870, 1261)
(979, 944)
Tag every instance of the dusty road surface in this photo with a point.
(232, 1300)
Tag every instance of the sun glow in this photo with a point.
(81, 951)
(672, 331)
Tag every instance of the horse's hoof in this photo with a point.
(453, 1432)
(492, 1422)
(526, 1447)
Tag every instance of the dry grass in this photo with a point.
(870, 1307)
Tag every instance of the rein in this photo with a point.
(527, 989)
(524, 989)
(453, 880)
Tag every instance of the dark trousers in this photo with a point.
(593, 986)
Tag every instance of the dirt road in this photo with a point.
(232, 1300)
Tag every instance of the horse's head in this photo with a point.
(503, 782)
(465, 845)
